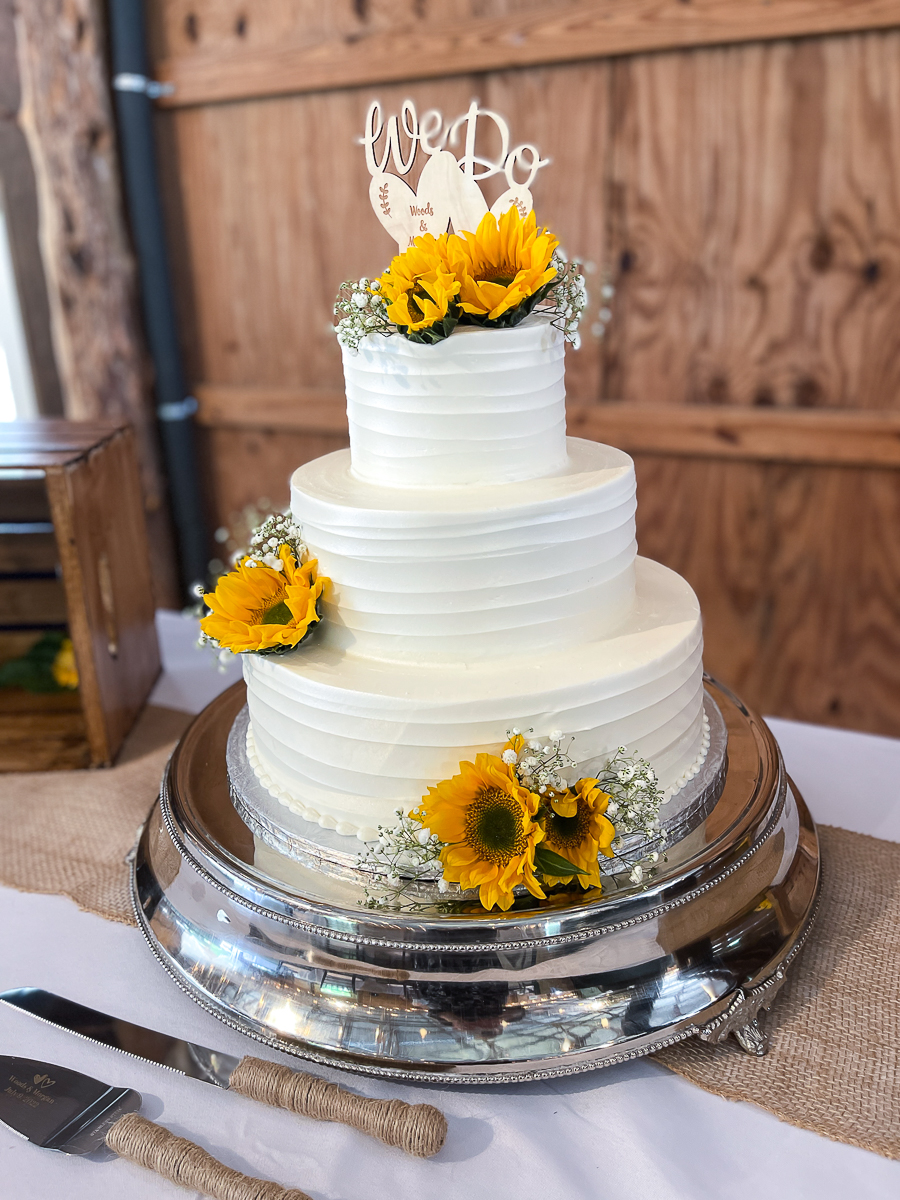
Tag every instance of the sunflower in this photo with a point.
(486, 820)
(256, 607)
(419, 286)
(502, 264)
(576, 829)
(64, 670)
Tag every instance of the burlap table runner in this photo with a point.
(68, 831)
(834, 1065)
(834, 1062)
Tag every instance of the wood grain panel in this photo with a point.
(107, 577)
(27, 548)
(797, 571)
(745, 201)
(755, 208)
(221, 52)
(831, 437)
(42, 731)
(308, 410)
(66, 116)
(32, 602)
(254, 468)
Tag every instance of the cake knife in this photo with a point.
(419, 1129)
(64, 1110)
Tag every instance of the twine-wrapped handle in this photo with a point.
(418, 1129)
(175, 1158)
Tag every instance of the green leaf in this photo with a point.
(548, 862)
(34, 670)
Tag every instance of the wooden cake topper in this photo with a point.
(448, 192)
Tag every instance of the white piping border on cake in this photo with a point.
(365, 833)
(694, 768)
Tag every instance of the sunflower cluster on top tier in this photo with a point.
(492, 278)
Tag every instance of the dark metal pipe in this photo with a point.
(174, 407)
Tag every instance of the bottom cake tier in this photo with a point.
(343, 741)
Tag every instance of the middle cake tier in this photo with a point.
(471, 573)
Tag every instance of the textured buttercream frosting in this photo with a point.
(473, 408)
(477, 572)
(458, 612)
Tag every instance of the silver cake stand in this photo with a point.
(282, 948)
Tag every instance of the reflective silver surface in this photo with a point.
(286, 953)
(326, 851)
(60, 1109)
(199, 1062)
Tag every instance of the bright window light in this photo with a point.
(7, 399)
(17, 398)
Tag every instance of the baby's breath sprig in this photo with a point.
(635, 798)
(566, 298)
(360, 310)
(539, 766)
(405, 854)
(635, 794)
(277, 530)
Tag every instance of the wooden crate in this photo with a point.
(73, 553)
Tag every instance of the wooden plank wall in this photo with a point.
(731, 166)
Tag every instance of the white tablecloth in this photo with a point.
(633, 1130)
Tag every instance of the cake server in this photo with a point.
(64, 1110)
(419, 1129)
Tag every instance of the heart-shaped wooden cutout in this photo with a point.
(459, 192)
(519, 196)
(407, 214)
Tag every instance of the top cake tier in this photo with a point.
(483, 406)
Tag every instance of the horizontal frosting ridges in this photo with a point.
(489, 572)
(482, 406)
(353, 739)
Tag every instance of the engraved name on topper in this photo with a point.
(448, 192)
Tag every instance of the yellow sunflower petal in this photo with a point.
(248, 597)
(486, 820)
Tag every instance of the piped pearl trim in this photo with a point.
(364, 833)
(694, 768)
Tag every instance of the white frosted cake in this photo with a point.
(484, 576)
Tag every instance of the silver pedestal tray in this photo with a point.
(284, 951)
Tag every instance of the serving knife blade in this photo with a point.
(64, 1110)
(419, 1129)
(190, 1059)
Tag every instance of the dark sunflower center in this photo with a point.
(494, 826)
(277, 614)
(502, 273)
(415, 308)
(568, 832)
